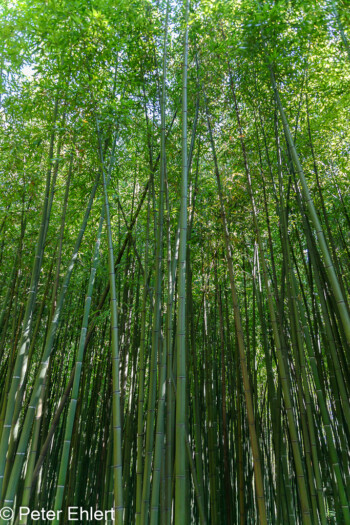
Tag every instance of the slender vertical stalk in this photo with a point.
(116, 411)
(180, 455)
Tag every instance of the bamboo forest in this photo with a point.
(175, 262)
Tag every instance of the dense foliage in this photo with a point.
(174, 260)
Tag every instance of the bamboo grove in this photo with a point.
(174, 261)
